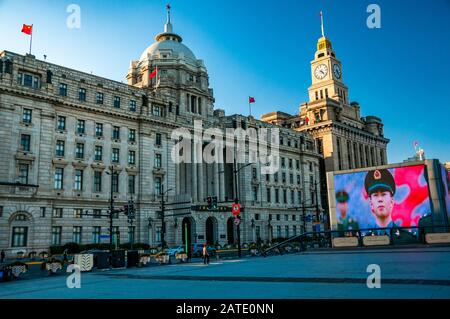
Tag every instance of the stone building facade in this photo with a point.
(71, 139)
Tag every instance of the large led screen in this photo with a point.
(381, 198)
(446, 181)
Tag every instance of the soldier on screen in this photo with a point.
(344, 222)
(380, 187)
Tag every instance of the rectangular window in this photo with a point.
(77, 213)
(117, 102)
(60, 145)
(298, 179)
(96, 232)
(26, 116)
(158, 139)
(132, 105)
(283, 162)
(97, 181)
(132, 135)
(115, 182)
(285, 196)
(278, 231)
(292, 196)
(277, 195)
(99, 98)
(28, 80)
(97, 213)
(158, 234)
(290, 163)
(79, 151)
(57, 213)
(116, 133)
(56, 235)
(131, 184)
(158, 160)
(156, 110)
(116, 234)
(78, 180)
(294, 230)
(131, 157)
(43, 211)
(283, 177)
(291, 178)
(131, 232)
(25, 142)
(275, 177)
(82, 94)
(254, 173)
(267, 178)
(98, 153)
(98, 129)
(255, 194)
(19, 236)
(297, 164)
(158, 185)
(59, 175)
(23, 173)
(1, 211)
(294, 217)
(258, 232)
(269, 198)
(81, 126)
(278, 217)
(61, 124)
(286, 231)
(299, 197)
(63, 89)
(76, 236)
(115, 155)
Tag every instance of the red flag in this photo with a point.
(251, 99)
(153, 74)
(306, 120)
(27, 29)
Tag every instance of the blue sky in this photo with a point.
(400, 72)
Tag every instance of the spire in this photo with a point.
(321, 23)
(168, 25)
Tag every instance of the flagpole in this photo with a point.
(249, 106)
(31, 38)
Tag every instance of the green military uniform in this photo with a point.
(347, 223)
(382, 180)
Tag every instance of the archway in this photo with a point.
(230, 230)
(211, 230)
(21, 230)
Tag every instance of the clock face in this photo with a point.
(337, 71)
(321, 71)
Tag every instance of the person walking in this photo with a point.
(2, 256)
(205, 254)
(65, 255)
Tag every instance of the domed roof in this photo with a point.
(168, 45)
(168, 41)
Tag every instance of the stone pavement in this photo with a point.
(405, 273)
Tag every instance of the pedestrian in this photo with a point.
(65, 255)
(2, 256)
(205, 254)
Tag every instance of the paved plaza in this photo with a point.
(405, 273)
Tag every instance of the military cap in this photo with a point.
(379, 180)
(342, 196)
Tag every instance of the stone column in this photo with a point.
(216, 179)
(222, 182)
(201, 184)
(194, 174)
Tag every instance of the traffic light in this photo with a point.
(209, 201)
(214, 203)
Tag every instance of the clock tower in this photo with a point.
(326, 73)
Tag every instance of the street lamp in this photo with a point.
(163, 228)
